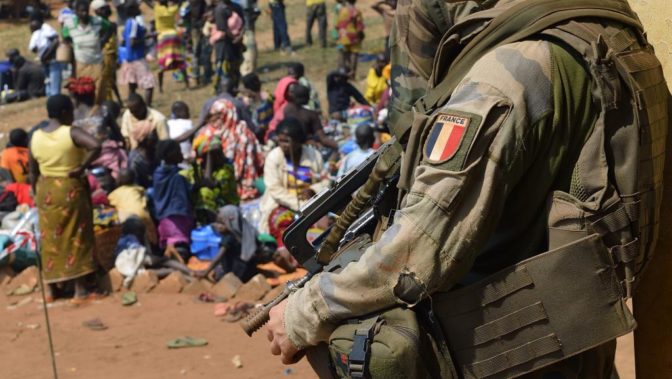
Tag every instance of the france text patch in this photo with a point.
(445, 137)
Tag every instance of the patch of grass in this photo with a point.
(272, 64)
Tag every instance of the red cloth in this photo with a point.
(280, 93)
(22, 193)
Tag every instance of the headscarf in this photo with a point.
(223, 114)
(280, 93)
(245, 233)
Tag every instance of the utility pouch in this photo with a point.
(387, 345)
(535, 313)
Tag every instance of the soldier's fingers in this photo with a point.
(275, 348)
(269, 335)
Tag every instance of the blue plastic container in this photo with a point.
(205, 243)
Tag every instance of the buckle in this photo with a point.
(358, 359)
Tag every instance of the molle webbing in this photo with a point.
(518, 22)
(525, 317)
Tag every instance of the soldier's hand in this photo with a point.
(277, 335)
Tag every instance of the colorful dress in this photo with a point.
(64, 207)
(171, 50)
(239, 145)
(211, 199)
(350, 28)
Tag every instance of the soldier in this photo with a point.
(524, 156)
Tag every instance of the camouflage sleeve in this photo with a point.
(479, 146)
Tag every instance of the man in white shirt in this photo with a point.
(365, 137)
(43, 43)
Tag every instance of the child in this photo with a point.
(238, 247)
(179, 124)
(15, 157)
(112, 156)
(132, 254)
(365, 137)
(172, 202)
(130, 201)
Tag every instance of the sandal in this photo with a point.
(79, 300)
(181, 342)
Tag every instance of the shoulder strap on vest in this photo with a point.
(517, 23)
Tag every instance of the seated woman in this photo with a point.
(238, 143)
(215, 178)
(172, 202)
(293, 173)
(238, 247)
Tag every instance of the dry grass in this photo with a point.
(272, 65)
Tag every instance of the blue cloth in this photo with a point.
(171, 193)
(127, 241)
(280, 35)
(53, 71)
(353, 160)
(134, 29)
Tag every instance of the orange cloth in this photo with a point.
(15, 160)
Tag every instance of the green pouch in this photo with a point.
(392, 344)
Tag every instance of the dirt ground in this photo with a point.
(134, 345)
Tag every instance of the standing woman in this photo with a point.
(59, 156)
(171, 50)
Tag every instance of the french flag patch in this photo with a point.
(445, 138)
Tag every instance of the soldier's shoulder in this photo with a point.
(521, 71)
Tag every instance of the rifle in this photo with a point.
(320, 255)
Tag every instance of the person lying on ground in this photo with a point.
(172, 202)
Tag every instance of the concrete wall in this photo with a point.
(656, 15)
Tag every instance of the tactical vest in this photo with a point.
(601, 234)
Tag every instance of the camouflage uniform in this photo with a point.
(526, 110)
(418, 28)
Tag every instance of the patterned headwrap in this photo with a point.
(221, 116)
(83, 85)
